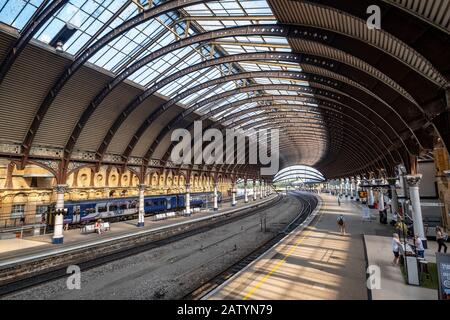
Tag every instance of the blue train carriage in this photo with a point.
(128, 207)
(156, 204)
(202, 199)
(108, 209)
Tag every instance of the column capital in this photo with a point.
(61, 188)
(413, 180)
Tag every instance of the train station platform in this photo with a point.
(319, 263)
(16, 250)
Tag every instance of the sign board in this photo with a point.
(443, 269)
(362, 194)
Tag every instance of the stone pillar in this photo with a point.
(394, 200)
(245, 192)
(188, 198)
(351, 188)
(261, 189)
(442, 163)
(413, 184)
(341, 187)
(215, 198)
(371, 200)
(58, 236)
(233, 195)
(357, 183)
(380, 200)
(254, 190)
(141, 205)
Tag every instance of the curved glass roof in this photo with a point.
(299, 173)
(95, 18)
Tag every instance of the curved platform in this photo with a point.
(318, 263)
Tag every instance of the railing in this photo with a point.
(20, 225)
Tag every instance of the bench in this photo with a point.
(163, 216)
(160, 216)
(89, 228)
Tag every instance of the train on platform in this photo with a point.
(125, 208)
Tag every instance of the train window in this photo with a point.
(90, 210)
(113, 207)
(102, 208)
(133, 205)
(123, 206)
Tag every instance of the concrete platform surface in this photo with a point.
(320, 263)
(392, 285)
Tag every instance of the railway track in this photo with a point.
(55, 274)
(308, 206)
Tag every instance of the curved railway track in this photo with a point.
(308, 205)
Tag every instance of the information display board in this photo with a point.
(443, 269)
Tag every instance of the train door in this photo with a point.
(41, 218)
(76, 216)
(168, 203)
(181, 201)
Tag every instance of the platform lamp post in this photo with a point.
(254, 190)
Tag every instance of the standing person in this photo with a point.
(396, 248)
(341, 224)
(419, 246)
(440, 238)
(339, 200)
(98, 226)
(394, 218)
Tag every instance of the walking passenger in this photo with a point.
(341, 224)
(396, 248)
(441, 238)
(419, 246)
